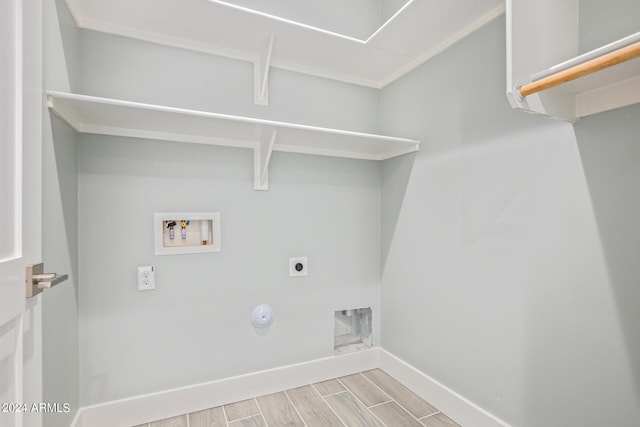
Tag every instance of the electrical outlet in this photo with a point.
(146, 278)
(298, 266)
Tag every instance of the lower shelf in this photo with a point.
(90, 114)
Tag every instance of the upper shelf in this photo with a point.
(418, 30)
(602, 79)
(89, 114)
(626, 69)
(609, 73)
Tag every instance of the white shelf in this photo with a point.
(603, 50)
(613, 87)
(418, 31)
(529, 58)
(89, 114)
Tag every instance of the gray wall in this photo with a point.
(610, 152)
(195, 326)
(122, 68)
(506, 244)
(60, 218)
(602, 22)
(508, 249)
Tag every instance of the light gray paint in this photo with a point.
(196, 326)
(602, 22)
(505, 285)
(122, 68)
(60, 345)
(610, 152)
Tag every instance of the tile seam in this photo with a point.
(400, 405)
(329, 405)
(361, 402)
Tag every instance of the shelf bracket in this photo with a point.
(261, 74)
(261, 158)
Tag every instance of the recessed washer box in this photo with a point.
(187, 232)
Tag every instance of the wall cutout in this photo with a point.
(187, 232)
(352, 330)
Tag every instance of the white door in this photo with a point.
(21, 100)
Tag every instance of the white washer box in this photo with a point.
(200, 234)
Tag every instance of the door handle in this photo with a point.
(36, 280)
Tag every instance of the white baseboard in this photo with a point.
(461, 410)
(157, 406)
(166, 404)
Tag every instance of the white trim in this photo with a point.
(261, 68)
(77, 420)
(327, 152)
(290, 22)
(74, 14)
(457, 407)
(18, 368)
(90, 114)
(163, 40)
(281, 63)
(447, 43)
(156, 406)
(261, 157)
(595, 53)
(54, 95)
(353, 79)
(388, 21)
(18, 143)
(162, 136)
(215, 237)
(216, 50)
(616, 95)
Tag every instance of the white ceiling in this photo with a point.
(365, 42)
(353, 18)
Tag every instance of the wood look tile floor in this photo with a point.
(368, 399)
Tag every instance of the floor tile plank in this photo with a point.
(405, 397)
(312, 408)
(329, 387)
(439, 420)
(278, 411)
(243, 409)
(364, 390)
(255, 421)
(368, 399)
(393, 415)
(351, 411)
(180, 421)
(213, 417)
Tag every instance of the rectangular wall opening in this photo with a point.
(352, 330)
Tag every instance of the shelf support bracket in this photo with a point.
(261, 74)
(261, 158)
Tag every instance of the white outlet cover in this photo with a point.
(146, 278)
(298, 266)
